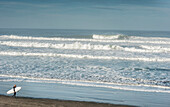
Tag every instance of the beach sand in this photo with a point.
(8, 101)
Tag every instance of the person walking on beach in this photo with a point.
(14, 90)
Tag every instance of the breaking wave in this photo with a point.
(163, 49)
(89, 46)
(76, 45)
(85, 56)
(130, 40)
(114, 37)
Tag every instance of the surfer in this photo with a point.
(14, 90)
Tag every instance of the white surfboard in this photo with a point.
(12, 90)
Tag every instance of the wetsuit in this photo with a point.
(14, 91)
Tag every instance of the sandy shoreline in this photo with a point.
(8, 101)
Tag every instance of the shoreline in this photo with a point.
(8, 101)
(62, 92)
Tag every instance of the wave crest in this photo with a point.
(96, 38)
(112, 37)
(87, 46)
(85, 56)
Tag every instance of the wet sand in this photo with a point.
(8, 101)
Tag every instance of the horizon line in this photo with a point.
(90, 29)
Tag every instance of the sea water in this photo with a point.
(123, 60)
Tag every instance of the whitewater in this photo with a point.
(95, 59)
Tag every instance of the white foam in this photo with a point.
(121, 36)
(152, 38)
(129, 87)
(89, 46)
(114, 37)
(118, 87)
(156, 48)
(87, 40)
(76, 45)
(84, 56)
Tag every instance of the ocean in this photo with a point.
(125, 61)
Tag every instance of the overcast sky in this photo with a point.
(86, 14)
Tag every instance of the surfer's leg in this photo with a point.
(14, 94)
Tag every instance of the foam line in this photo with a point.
(84, 56)
(112, 37)
(155, 48)
(121, 36)
(119, 87)
(78, 45)
(87, 40)
(61, 80)
(129, 87)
